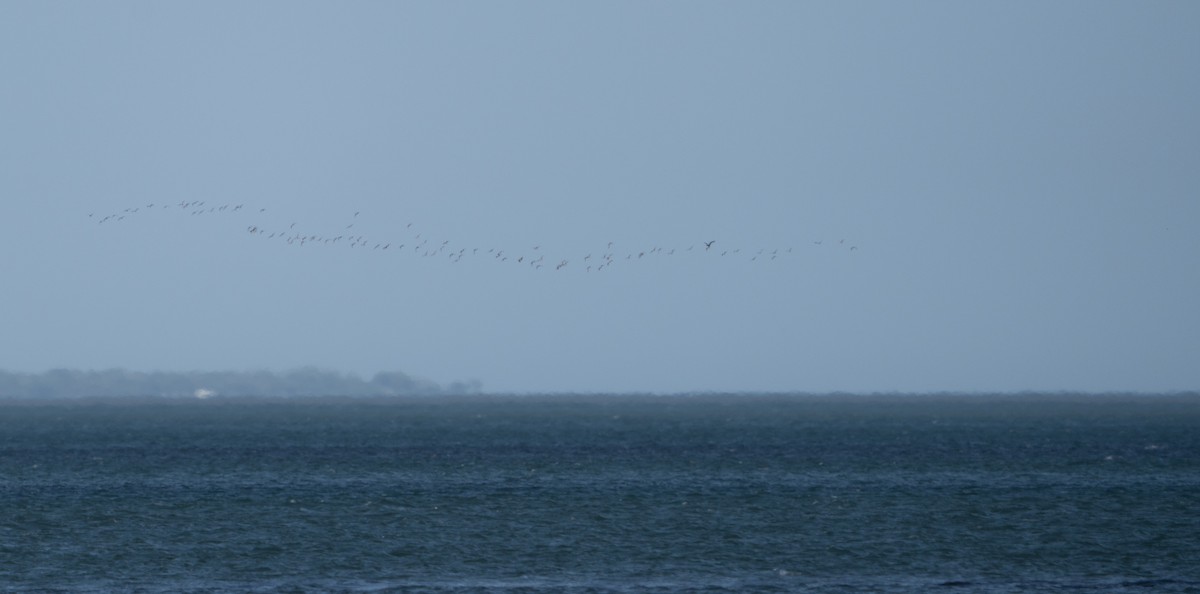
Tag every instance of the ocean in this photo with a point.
(596, 493)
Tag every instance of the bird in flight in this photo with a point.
(590, 261)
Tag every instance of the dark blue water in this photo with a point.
(603, 494)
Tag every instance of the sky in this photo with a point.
(901, 196)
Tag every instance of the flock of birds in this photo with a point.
(413, 242)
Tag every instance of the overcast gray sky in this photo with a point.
(1019, 182)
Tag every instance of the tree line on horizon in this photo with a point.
(306, 381)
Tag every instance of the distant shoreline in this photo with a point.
(314, 385)
(303, 382)
(733, 401)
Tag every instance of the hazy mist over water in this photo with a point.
(607, 197)
(712, 493)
